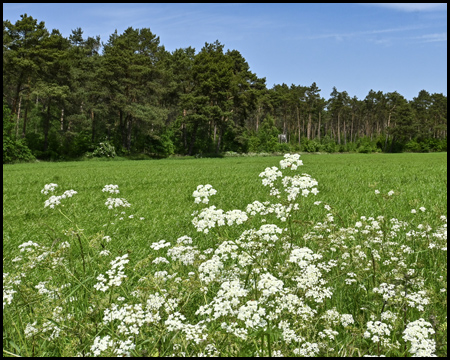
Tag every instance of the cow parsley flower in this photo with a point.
(417, 332)
(112, 189)
(49, 188)
(112, 203)
(30, 330)
(291, 161)
(160, 245)
(202, 193)
(269, 175)
(378, 331)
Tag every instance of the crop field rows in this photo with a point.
(140, 260)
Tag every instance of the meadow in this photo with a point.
(357, 267)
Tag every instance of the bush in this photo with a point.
(311, 145)
(16, 150)
(104, 149)
(13, 150)
(283, 148)
(329, 145)
(365, 145)
(412, 146)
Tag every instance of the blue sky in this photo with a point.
(355, 47)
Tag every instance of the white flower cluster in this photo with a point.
(49, 188)
(43, 290)
(417, 332)
(112, 203)
(292, 161)
(118, 347)
(115, 274)
(132, 317)
(310, 277)
(269, 285)
(184, 253)
(210, 269)
(268, 232)
(269, 175)
(281, 212)
(303, 256)
(55, 199)
(257, 207)
(112, 189)
(307, 349)
(30, 329)
(192, 332)
(293, 186)
(159, 245)
(235, 216)
(299, 185)
(28, 246)
(388, 316)
(202, 193)
(378, 331)
(252, 315)
(8, 291)
(233, 328)
(387, 290)
(210, 217)
(225, 302)
(397, 293)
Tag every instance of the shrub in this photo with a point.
(104, 149)
(16, 150)
(412, 146)
(13, 149)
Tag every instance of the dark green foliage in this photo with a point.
(66, 97)
(14, 150)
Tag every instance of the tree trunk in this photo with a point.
(318, 129)
(123, 125)
(93, 126)
(298, 124)
(129, 128)
(62, 120)
(16, 97)
(338, 128)
(258, 114)
(345, 134)
(351, 128)
(193, 136)
(219, 142)
(18, 117)
(394, 139)
(47, 126)
(25, 118)
(183, 131)
(308, 129)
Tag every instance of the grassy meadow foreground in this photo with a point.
(136, 258)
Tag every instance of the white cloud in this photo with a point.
(409, 7)
(432, 37)
(341, 36)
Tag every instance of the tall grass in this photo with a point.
(229, 292)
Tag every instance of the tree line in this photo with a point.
(63, 98)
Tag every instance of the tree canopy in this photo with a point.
(62, 97)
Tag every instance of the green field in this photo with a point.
(160, 194)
